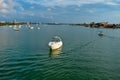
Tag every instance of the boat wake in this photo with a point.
(111, 37)
(78, 47)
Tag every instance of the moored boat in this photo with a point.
(16, 28)
(30, 27)
(38, 28)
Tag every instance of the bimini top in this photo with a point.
(56, 39)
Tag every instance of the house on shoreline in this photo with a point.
(104, 25)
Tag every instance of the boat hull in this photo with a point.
(100, 34)
(16, 29)
(55, 45)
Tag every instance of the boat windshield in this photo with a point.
(56, 39)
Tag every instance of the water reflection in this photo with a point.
(54, 53)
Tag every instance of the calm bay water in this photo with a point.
(25, 55)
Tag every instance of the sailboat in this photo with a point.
(15, 28)
(29, 26)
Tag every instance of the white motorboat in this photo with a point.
(55, 43)
(100, 33)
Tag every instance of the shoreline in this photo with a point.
(92, 24)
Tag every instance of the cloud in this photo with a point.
(112, 3)
(64, 3)
(3, 11)
(32, 7)
(33, 1)
(7, 6)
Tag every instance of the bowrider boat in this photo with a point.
(55, 43)
(100, 33)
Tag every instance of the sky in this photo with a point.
(63, 11)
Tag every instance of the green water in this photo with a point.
(25, 55)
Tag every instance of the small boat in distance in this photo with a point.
(55, 43)
(100, 33)
(16, 28)
(30, 27)
(38, 28)
(10, 26)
